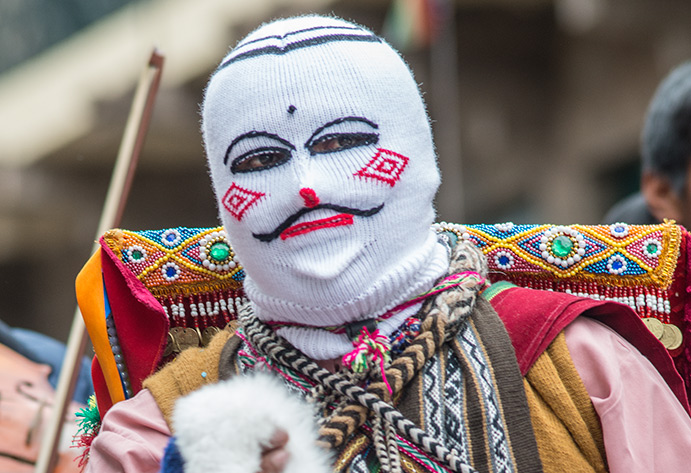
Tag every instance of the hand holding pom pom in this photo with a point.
(248, 424)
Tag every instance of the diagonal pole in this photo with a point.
(113, 208)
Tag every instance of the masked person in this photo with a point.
(322, 160)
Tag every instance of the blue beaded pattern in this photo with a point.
(619, 254)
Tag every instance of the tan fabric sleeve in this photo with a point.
(192, 369)
(567, 428)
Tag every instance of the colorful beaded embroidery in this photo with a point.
(195, 275)
(632, 264)
(192, 272)
(178, 260)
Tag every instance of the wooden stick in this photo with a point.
(113, 208)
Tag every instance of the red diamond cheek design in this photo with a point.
(386, 166)
(238, 200)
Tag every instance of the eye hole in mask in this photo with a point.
(260, 159)
(257, 151)
(342, 134)
(341, 141)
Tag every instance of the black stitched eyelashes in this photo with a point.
(255, 134)
(264, 150)
(259, 159)
(338, 121)
(334, 142)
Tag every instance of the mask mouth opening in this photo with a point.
(338, 220)
(290, 226)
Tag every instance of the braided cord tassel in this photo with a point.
(402, 370)
(352, 415)
(392, 448)
(264, 339)
(411, 360)
(386, 447)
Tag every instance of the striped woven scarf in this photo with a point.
(470, 397)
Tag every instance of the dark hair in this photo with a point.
(666, 137)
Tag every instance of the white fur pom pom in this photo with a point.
(221, 427)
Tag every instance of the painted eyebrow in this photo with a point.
(254, 134)
(336, 122)
(357, 35)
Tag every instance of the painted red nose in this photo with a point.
(310, 197)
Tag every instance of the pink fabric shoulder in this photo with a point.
(132, 438)
(645, 428)
(533, 318)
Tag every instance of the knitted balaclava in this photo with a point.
(324, 169)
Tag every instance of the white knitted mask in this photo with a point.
(324, 169)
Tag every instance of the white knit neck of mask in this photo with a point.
(407, 279)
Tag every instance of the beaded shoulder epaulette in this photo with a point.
(617, 255)
(635, 265)
(178, 260)
(192, 272)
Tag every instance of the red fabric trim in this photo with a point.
(141, 324)
(103, 400)
(684, 360)
(534, 318)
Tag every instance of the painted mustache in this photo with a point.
(344, 217)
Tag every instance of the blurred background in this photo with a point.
(537, 108)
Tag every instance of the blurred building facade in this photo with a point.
(537, 107)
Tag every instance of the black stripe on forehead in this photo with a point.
(273, 49)
(304, 30)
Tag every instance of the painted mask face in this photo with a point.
(322, 160)
(341, 154)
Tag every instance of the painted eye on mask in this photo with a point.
(342, 134)
(260, 159)
(341, 141)
(257, 151)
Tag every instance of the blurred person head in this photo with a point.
(666, 148)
